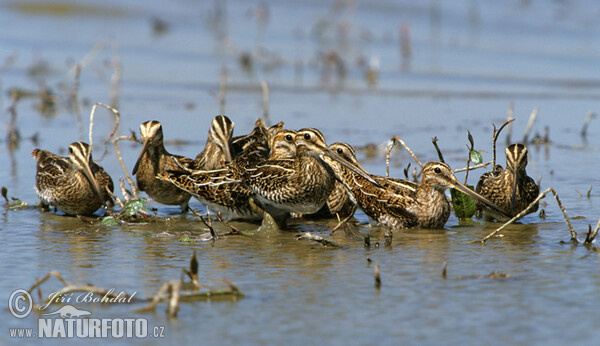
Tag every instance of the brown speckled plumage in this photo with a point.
(75, 184)
(220, 192)
(404, 204)
(299, 185)
(511, 188)
(155, 159)
(217, 149)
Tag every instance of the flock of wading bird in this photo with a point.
(280, 172)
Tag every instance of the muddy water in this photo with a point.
(468, 62)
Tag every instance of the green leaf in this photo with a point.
(132, 207)
(464, 206)
(475, 157)
(109, 221)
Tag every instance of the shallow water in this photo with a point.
(469, 62)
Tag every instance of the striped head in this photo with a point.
(314, 142)
(283, 145)
(516, 158)
(80, 157)
(152, 133)
(440, 177)
(220, 134)
(152, 137)
(312, 139)
(273, 130)
(347, 152)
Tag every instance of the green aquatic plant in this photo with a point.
(13, 202)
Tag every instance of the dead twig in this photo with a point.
(471, 168)
(530, 124)
(222, 90)
(92, 115)
(377, 275)
(524, 212)
(208, 224)
(265, 90)
(75, 100)
(495, 135)
(396, 138)
(434, 140)
(509, 118)
(134, 189)
(588, 118)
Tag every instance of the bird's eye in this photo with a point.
(340, 151)
(306, 136)
(288, 137)
(437, 170)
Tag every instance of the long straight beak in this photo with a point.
(460, 187)
(358, 170)
(144, 149)
(513, 198)
(88, 174)
(227, 151)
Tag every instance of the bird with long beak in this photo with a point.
(301, 184)
(155, 159)
(217, 149)
(75, 184)
(399, 203)
(221, 192)
(511, 188)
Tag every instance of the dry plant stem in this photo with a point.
(437, 149)
(265, 90)
(524, 212)
(396, 138)
(509, 118)
(530, 124)
(444, 271)
(377, 275)
(53, 273)
(134, 189)
(115, 79)
(173, 307)
(89, 57)
(75, 100)
(119, 202)
(233, 229)
(210, 227)
(388, 150)
(588, 118)
(222, 90)
(340, 223)
(592, 235)
(495, 137)
(92, 114)
(13, 133)
(472, 168)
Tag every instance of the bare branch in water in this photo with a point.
(530, 124)
(524, 212)
(434, 140)
(495, 135)
(92, 115)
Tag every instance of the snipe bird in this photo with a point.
(400, 203)
(299, 185)
(220, 192)
(257, 145)
(155, 159)
(340, 201)
(217, 148)
(74, 184)
(511, 189)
